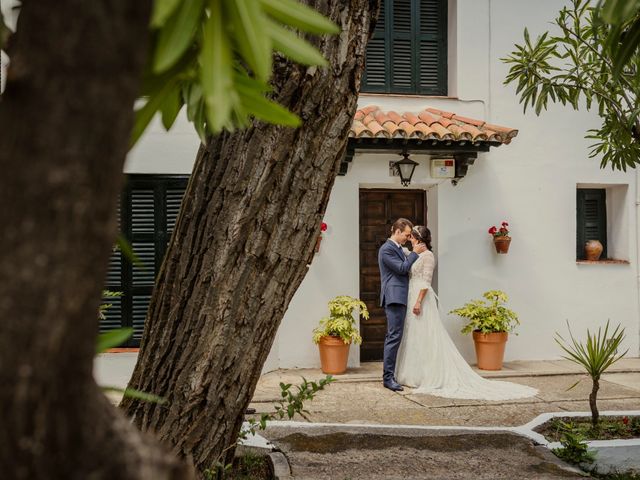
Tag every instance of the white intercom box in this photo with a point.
(443, 168)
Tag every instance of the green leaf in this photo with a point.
(616, 11)
(249, 24)
(126, 249)
(216, 71)
(144, 115)
(133, 393)
(171, 107)
(300, 16)
(265, 109)
(293, 46)
(627, 49)
(113, 338)
(177, 34)
(162, 9)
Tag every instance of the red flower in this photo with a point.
(505, 224)
(625, 420)
(492, 230)
(323, 227)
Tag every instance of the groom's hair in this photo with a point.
(400, 224)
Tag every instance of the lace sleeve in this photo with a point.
(428, 266)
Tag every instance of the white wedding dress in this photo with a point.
(427, 358)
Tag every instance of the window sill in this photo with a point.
(606, 261)
(406, 95)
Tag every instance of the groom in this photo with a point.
(394, 275)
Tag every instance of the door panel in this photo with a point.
(378, 210)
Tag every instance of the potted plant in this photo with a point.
(501, 238)
(490, 321)
(336, 332)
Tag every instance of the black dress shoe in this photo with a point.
(393, 386)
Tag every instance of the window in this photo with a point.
(147, 216)
(408, 50)
(592, 219)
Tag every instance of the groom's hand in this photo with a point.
(421, 247)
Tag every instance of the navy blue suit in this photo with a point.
(394, 289)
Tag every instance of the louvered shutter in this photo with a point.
(591, 219)
(150, 207)
(432, 47)
(408, 50)
(403, 65)
(113, 315)
(376, 73)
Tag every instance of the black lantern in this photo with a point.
(405, 168)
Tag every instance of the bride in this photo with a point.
(427, 359)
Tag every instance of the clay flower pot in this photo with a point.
(490, 349)
(593, 249)
(502, 243)
(334, 354)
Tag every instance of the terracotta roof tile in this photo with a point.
(430, 123)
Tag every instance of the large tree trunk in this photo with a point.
(65, 120)
(245, 235)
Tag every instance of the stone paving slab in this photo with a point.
(375, 454)
(369, 402)
(631, 380)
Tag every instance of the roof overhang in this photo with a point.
(430, 131)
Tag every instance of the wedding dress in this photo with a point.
(429, 361)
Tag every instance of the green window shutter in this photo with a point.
(432, 50)
(150, 206)
(408, 50)
(402, 61)
(591, 219)
(376, 74)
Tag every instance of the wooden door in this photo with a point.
(378, 210)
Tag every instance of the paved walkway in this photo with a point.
(378, 434)
(372, 436)
(359, 398)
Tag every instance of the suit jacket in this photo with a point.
(394, 273)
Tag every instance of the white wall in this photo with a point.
(531, 183)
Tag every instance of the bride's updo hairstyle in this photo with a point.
(423, 235)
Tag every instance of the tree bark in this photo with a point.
(241, 247)
(593, 398)
(65, 118)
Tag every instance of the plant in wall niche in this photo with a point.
(596, 356)
(490, 322)
(323, 228)
(501, 238)
(336, 332)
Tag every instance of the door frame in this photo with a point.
(422, 191)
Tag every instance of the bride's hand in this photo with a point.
(417, 308)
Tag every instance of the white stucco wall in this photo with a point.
(530, 183)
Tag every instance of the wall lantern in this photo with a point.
(405, 169)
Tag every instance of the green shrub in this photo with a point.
(340, 322)
(488, 317)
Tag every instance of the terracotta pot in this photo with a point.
(593, 249)
(490, 349)
(502, 244)
(334, 354)
(318, 240)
